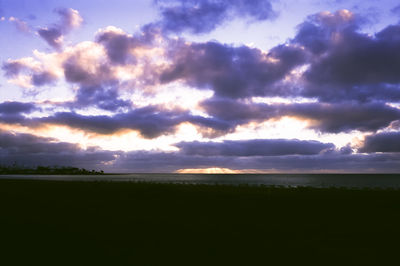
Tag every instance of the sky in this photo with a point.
(205, 86)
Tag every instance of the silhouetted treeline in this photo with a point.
(48, 170)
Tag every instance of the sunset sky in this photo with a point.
(201, 85)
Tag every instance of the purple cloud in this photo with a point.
(12, 68)
(324, 117)
(354, 65)
(345, 116)
(254, 147)
(20, 25)
(202, 16)
(31, 150)
(381, 142)
(53, 35)
(16, 107)
(150, 121)
(234, 72)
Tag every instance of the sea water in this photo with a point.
(285, 180)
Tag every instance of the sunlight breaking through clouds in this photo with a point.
(150, 92)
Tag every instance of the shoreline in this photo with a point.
(324, 181)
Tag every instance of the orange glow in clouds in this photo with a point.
(213, 170)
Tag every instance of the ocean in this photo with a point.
(385, 181)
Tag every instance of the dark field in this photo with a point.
(111, 223)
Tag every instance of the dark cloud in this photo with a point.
(53, 35)
(347, 64)
(202, 16)
(229, 113)
(211, 127)
(119, 44)
(233, 72)
(342, 64)
(319, 31)
(106, 98)
(97, 84)
(43, 78)
(382, 142)
(39, 78)
(12, 68)
(345, 116)
(13, 112)
(142, 161)
(359, 59)
(76, 71)
(254, 147)
(16, 107)
(225, 116)
(346, 149)
(31, 150)
(324, 117)
(149, 121)
(237, 111)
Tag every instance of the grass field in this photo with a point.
(111, 223)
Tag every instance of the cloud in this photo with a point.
(318, 31)
(202, 16)
(20, 25)
(16, 107)
(395, 124)
(40, 79)
(227, 114)
(29, 68)
(13, 112)
(31, 150)
(117, 43)
(142, 161)
(120, 46)
(87, 65)
(237, 111)
(328, 60)
(70, 18)
(149, 121)
(254, 147)
(323, 117)
(103, 97)
(234, 72)
(54, 35)
(345, 116)
(12, 68)
(348, 64)
(381, 142)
